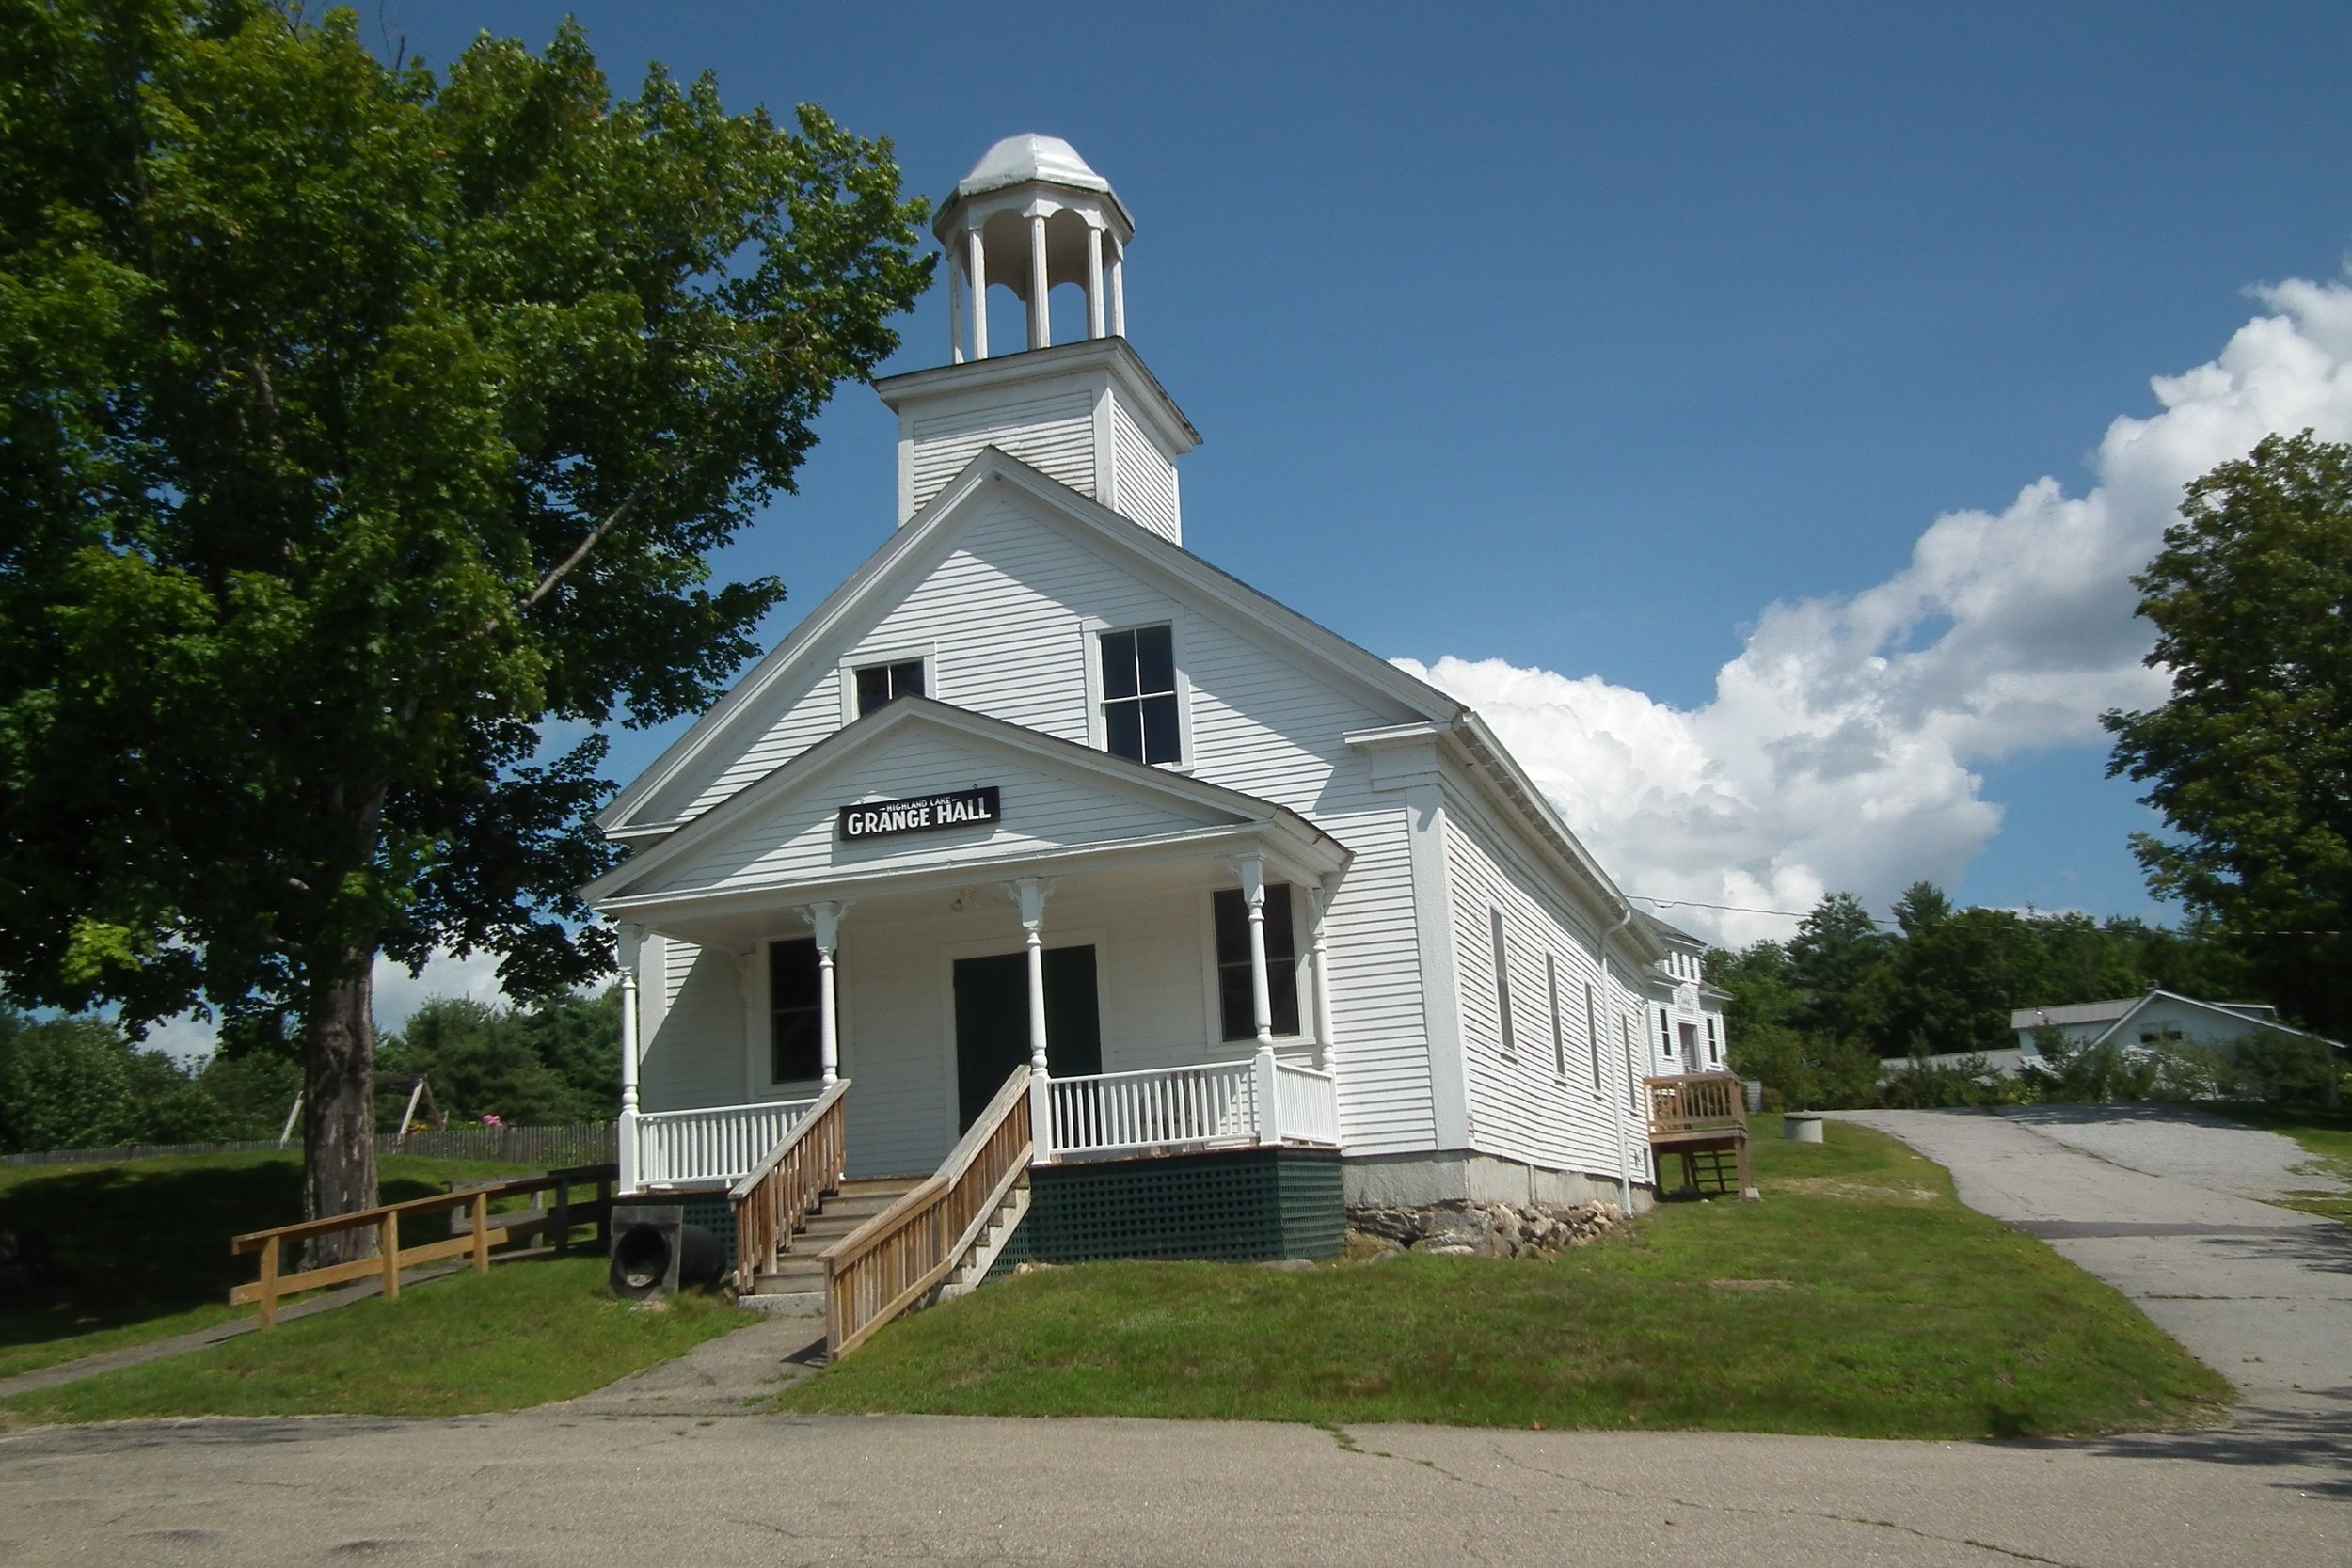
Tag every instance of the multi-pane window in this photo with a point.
(1139, 716)
(882, 683)
(794, 1049)
(1559, 1037)
(1665, 1033)
(1592, 1035)
(1714, 1041)
(1236, 1003)
(1503, 985)
(1632, 1081)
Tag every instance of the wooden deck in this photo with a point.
(1702, 1117)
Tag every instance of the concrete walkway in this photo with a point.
(2151, 1202)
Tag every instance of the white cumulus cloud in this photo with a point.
(1836, 754)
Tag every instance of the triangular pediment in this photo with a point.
(734, 741)
(1049, 798)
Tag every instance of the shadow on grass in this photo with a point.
(136, 1242)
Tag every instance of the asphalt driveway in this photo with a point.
(2166, 1207)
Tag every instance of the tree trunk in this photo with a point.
(338, 1107)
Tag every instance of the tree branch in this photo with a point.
(611, 520)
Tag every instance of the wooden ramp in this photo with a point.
(1702, 1117)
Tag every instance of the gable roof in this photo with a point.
(2238, 1014)
(1185, 574)
(1213, 805)
(2071, 1013)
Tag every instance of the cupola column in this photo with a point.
(1041, 300)
(976, 272)
(1095, 281)
(1119, 291)
(955, 308)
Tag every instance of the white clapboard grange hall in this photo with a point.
(1040, 819)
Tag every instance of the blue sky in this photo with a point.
(1566, 340)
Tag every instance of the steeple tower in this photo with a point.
(1029, 216)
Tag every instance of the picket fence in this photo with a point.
(584, 1143)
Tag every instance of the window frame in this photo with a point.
(755, 975)
(881, 653)
(1559, 1033)
(1592, 1035)
(1091, 633)
(1507, 1032)
(1301, 961)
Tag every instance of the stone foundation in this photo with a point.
(1423, 1181)
(1459, 1230)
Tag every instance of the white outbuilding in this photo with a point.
(1043, 828)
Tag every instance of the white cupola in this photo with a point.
(1031, 216)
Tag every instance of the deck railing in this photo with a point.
(713, 1144)
(894, 1259)
(787, 1183)
(1695, 1105)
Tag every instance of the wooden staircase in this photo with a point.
(794, 1279)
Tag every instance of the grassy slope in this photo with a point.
(536, 1329)
(142, 1247)
(1859, 1299)
(2326, 1135)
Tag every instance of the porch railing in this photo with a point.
(787, 1182)
(716, 1145)
(895, 1259)
(1219, 1105)
(1307, 1105)
(1696, 1106)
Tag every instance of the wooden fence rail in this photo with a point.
(485, 1231)
(894, 1259)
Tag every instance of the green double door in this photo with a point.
(993, 1023)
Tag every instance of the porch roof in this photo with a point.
(774, 840)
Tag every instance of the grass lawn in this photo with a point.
(536, 1329)
(2326, 1135)
(1859, 1299)
(142, 1247)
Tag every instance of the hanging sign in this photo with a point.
(963, 808)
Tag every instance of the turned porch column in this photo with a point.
(628, 942)
(1252, 868)
(825, 919)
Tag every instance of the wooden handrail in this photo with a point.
(392, 1257)
(883, 1267)
(779, 1193)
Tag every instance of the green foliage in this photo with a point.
(1805, 1070)
(1836, 948)
(1949, 985)
(77, 1083)
(2250, 759)
(362, 422)
(554, 1062)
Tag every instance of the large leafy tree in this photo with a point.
(359, 423)
(2250, 760)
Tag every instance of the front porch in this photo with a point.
(1261, 1103)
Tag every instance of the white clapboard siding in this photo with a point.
(1005, 613)
(695, 1055)
(1144, 478)
(1520, 1106)
(1043, 808)
(1054, 435)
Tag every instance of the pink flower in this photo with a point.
(492, 1121)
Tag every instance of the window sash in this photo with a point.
(1237, 1011)
(1141, 717)
(1503, 985)
(795, 1037)
(878, 684)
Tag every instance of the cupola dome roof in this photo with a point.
(1018, 160)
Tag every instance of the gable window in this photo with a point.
(794, 1049)
(1503, 984)
(1139, 713)
(1558, 1037)
(878, 684)
(1236, 1006)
